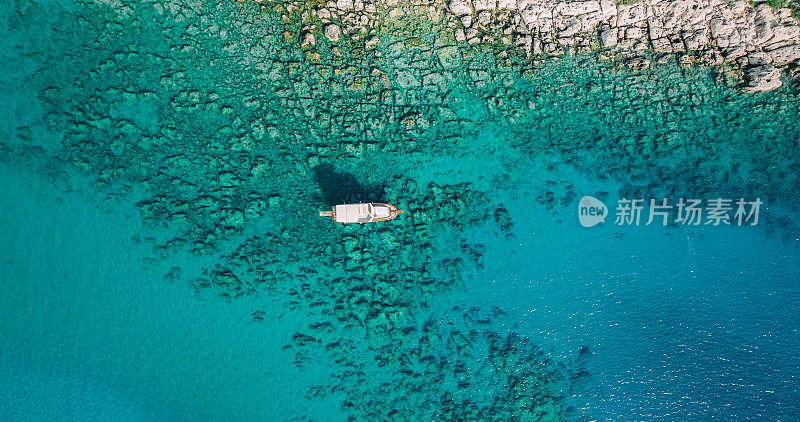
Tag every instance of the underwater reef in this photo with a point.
(241, 120)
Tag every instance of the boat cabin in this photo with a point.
(361, 213)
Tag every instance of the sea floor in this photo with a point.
(162, 257)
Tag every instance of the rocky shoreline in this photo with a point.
(753, 43)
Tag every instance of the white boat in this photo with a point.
(361, 213)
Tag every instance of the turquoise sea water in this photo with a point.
(162, 258)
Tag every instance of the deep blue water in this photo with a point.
(689, 323)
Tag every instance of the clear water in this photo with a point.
(162, 258)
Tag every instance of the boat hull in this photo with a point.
(362, 213)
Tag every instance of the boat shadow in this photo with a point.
(338, 187)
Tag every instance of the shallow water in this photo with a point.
(163, 167)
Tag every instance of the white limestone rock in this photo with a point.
(759, 58)
(345, 5)
(308, 40)
(577, 8)
(785, 55)
(661, 45)
(608, 38)
(481, 5)
(460, 7)
(763, 78)
(332, 33)
(507, 4)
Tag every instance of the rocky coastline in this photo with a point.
(756, 45)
